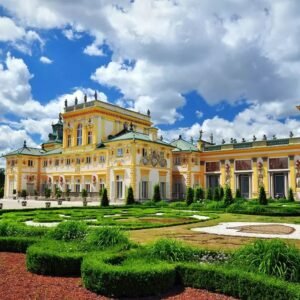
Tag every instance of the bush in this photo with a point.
(273, 257)
(199, 194)
(228, 196)
(84, 193)
(130, 197)
(209, 195)
(189, 196)
(221, 193)
(217, 194)
(106, 237)
(16, 244)
(156, 194)
(104, 198)
(24, 194)
(262, 198)
(291, 195)
(235, 282)
(8, 229)
(54, 258)
(1, 193)
(69, 231)
(119, 276)
(57, 193)
(178, 204)
(238, 194)
(47, 193)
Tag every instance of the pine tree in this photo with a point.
(262, 198)
(291, 195)
(130, 197)
(216, 194)
(156, 194)
(228, 199)
(221, 193)
(199, 194)
(209, 195)
(104, 198)
(238, 194)
(189, 196)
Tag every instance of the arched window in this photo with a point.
(90, 137)
(79, 135)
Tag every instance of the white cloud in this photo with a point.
(199, 114)
(71, 35)
(93, 50)
(45, 60)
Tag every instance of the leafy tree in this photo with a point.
(84, 193)
(47, 193)
(2, 177)
(104, 198)
(221, 193)
(238, 194)
(291, 195)
(156, 194)
(189, 196)
(217, 194)
(1, 192)
(199, 194)
(130, 197)
(228, 199)
(209, 195)
(262, 197)
(57, 193)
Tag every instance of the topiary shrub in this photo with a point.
(54, 258)
(238, 194)
(209, 195)
(221, 193)
(217, 194)
(104, 198)
(47, 193)
(262, 197)
(271, 257)
(189, 196)
(106, 237)
(228, 199)
(119, 276)
(69, 231)
(16, 243)
(24, 194)
(9, 229)
(156, 194)
(199, 194)
(84, 194)
(130, 197)
(291, 195)
(1, 193)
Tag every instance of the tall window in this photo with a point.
(102, 159)
(90, 137)
(88, 160)
(30, 163)
(120, 152)
(79, 135)
(69, 140)
(144, 190)
(119, 187)
(163, 190)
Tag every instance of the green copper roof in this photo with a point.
(137, 136)
(182, 145)
(33, 151)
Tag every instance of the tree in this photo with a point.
(238, 194)
(57, 193)
(221, 193)
(209, 195)
(189, 196)
(199, 194)
(130, 196)
(291, 195)
(84, 193)
(2, 177)
(24, 194)
(228, 199)
(1, 192)
(104, 198)
(156, 194)
(262, 197)
(47, 193)
(217, 194)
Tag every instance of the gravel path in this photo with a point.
(16, 283)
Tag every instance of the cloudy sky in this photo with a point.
(229, 67)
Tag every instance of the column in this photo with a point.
(133, 170)
(84, 134)
(202, 174)
(292, 183)
(232, 177)
(265, 174)
(74, 135)
(223, 175)
(188, 175)
(254, 178)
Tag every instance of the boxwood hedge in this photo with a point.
(16, 243)
(124, 276)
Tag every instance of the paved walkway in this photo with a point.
(17, 204)
(233, 229)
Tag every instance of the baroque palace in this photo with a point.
(96, 144)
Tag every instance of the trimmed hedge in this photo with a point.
(16, 244)
(121, 276)
(54, 258)
(236, 283)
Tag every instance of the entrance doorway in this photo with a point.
(244, 185)
(279, 185)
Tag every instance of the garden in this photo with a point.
(148, 249)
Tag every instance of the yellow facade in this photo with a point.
(96, 145)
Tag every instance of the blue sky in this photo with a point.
(229, 68)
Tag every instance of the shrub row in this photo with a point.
(16, 244)
(236, 283)
(117, 276)
(54, 258)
